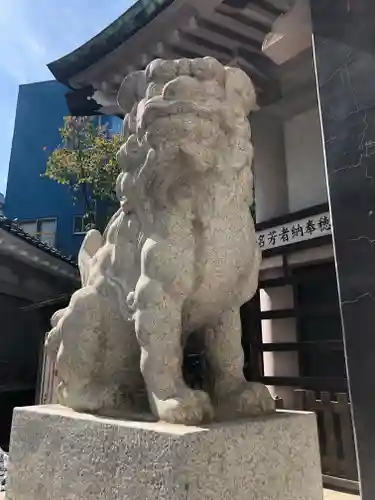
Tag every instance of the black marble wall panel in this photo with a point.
(344, 44)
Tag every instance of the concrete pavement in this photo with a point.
(328, 495)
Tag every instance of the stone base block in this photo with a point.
(57, 454)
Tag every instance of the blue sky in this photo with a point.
(34, 33)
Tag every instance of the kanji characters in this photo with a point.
(310, 227)
(272, 237)
(284, 234)
(297, 230)
(294, 232)
(324, 224)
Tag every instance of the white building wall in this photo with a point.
(270, 180)
(304, 161)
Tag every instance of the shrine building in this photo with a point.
(313, 169)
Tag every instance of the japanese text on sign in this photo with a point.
(295, 232)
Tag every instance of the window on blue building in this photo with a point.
(79, 224)
(44, 229)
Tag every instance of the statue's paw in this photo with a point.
(189, 408)
(250, 399)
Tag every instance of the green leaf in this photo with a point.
(86, 161)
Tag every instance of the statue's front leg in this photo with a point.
(158, 327)
(231, 394)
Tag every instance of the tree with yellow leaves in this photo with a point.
(86, 162)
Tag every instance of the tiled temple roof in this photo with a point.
(232, 31)
(13, 228)
(131, 21)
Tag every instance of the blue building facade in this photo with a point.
(42, 206)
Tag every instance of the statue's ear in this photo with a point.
(91, 244)
(132, 90)
(57, 316)
(240, 90)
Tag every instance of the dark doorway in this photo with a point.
(318, 320)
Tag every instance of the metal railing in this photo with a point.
(336, 437)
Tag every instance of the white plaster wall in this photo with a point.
(304, 161)
(271, 190)
(279, 364)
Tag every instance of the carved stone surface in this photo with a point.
(179, 257)
(57, 454)
(3, 469)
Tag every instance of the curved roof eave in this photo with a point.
(122, 29)
(12, 227)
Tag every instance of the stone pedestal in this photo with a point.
(57, 454)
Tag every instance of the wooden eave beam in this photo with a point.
(252, 34)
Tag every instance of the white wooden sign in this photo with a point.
(306, 229)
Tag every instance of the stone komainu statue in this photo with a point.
(179, 257)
